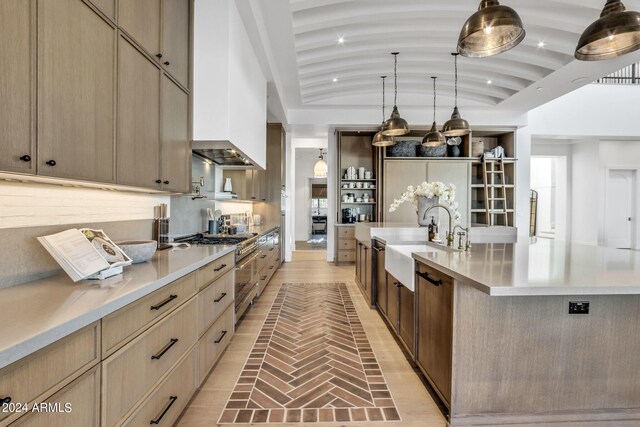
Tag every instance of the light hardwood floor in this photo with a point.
(415, 405)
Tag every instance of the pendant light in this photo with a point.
(456, 126)
(616, 32)
(320, 169)
(434, 138)
(396, 125)
(380, 140)
(493, 29)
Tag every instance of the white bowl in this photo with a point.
(138, 250)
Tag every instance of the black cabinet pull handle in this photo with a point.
(166, 182)
(172, 400)
(25, 158)
(263, 257)
(397, 284)
(158, 55)
(166, 62)
(426, 277)
(224, 294)
(51, 162)
(220, 337)
(158, 181)
(263, 277)
(220, 268)
(166, 348)
(271, 267)
(163, 303)
(5, 400)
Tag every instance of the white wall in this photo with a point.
(229, 87)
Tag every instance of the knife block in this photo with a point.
(161, 233)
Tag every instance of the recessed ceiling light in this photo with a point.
(489, 82)
(340, 40)
(541, 44)
(335, 80)
(580, 80)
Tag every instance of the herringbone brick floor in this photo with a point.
(312, 362)
(412, 400)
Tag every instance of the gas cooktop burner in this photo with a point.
(200, 239)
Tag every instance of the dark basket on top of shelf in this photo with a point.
(405, 147)
(440, 151)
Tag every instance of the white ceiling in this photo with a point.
(299, 41)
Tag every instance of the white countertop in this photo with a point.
(36, 314)
(544, 267)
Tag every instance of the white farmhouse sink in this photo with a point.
(399, 263)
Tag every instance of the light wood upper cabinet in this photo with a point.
(17, 85)
(175, 147)
(138, 144)
(108, 7)
(141, 20)
(76, 83)
(398, 175)
(175, 39)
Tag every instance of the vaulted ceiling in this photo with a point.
(318, 72)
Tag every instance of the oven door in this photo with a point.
(246, 279)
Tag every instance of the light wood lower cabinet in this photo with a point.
(32, 379)
(214, 341)
(406, 331)
(393, 299)
(166, 402)
(121, 326)
(76, 405)
(213, 270)
(435, 328)
(130, 372)
(214, 300)
(380, 278)
(346, 246)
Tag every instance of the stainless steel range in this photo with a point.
(246, 274)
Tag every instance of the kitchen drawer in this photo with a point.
(215, 269)
(166, 402)
(263, 258)
(214, 341)
(345, 256)
(346, 232)
(347, 244)
(263, 279)
(213, 301)
(38, 376)
(76, 405)
(134, 369)
(120, 327)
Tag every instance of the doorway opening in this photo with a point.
(549, 180)
(620, 209)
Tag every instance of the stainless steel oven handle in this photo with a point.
(247, 262)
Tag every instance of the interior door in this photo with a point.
(620, 207)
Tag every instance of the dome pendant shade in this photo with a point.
(395, 125)
(456, 126)
(493, 29)
(616, 33)
(434, 138)
(321, 168)
(380, 140)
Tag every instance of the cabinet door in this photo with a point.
(359, 253)
(76, 81)
(393, 299)
(175, 39)
(435, 330)
(457, 173)
(141, 20)
(407, 318)
(175, 150)
(367, 272)
(138, 143)
(398, 175)
(17, 85)
(380, 279)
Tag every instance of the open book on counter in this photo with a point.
(85, 253)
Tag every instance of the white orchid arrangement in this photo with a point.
(445, 193)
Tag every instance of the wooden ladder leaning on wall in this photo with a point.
(491, 189)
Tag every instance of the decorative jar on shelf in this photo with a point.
(227, 185)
